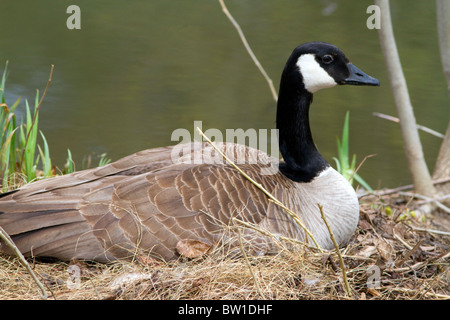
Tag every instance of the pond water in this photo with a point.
(138, 70)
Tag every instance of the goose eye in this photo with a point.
(327, 59)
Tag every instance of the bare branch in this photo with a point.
(249, 50)
(336, 246)
(6, 238)
(420, 127)
(443, 26)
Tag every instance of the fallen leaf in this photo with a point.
(192, 248)
(388, 228)
(365, 225)
(367, 251)
(385, 250)
(401, 230)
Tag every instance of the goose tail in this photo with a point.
(40, 227)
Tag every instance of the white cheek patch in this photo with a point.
(314, 76)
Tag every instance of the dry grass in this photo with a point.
(413, 265)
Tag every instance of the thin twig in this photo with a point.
(297, 219)
(396, 236)
(260, 187)
(420, 127)
(410, 252)
(415, 266)
(248, 264)
(5, 237)
(360, 164)
(358, 258)
(417, 291)
(431, 231)
(275, 237)
(420, 196)
(249, 50)
(445, 197)
(444, 256)
(336, 246)
(406, 187)
(37, 110)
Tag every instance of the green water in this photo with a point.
(138, 70)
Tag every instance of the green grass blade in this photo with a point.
(338, 165)
(31, 142)
(11, 131)
(69, 166)
(15, 104)
(28, 156)
(343, 164)
(103, 160)
(7, 168)
(361, 181)
(45, 156)
(2, 85)
(7, 151)
(345, 135)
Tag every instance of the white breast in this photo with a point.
(339, 202)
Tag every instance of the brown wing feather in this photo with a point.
(142, 204)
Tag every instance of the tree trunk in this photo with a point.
(411, 142)
(442, 168)
(443, 26)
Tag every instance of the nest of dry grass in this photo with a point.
(393, 255)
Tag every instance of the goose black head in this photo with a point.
(320, 65)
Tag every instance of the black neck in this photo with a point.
(303, 161)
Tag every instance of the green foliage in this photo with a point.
(20, 153)
(343, 164)
(8, 129)
(28, 142)
(103, 161)
(87, 161)
(19, 142)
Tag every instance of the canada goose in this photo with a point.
(148, 202)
